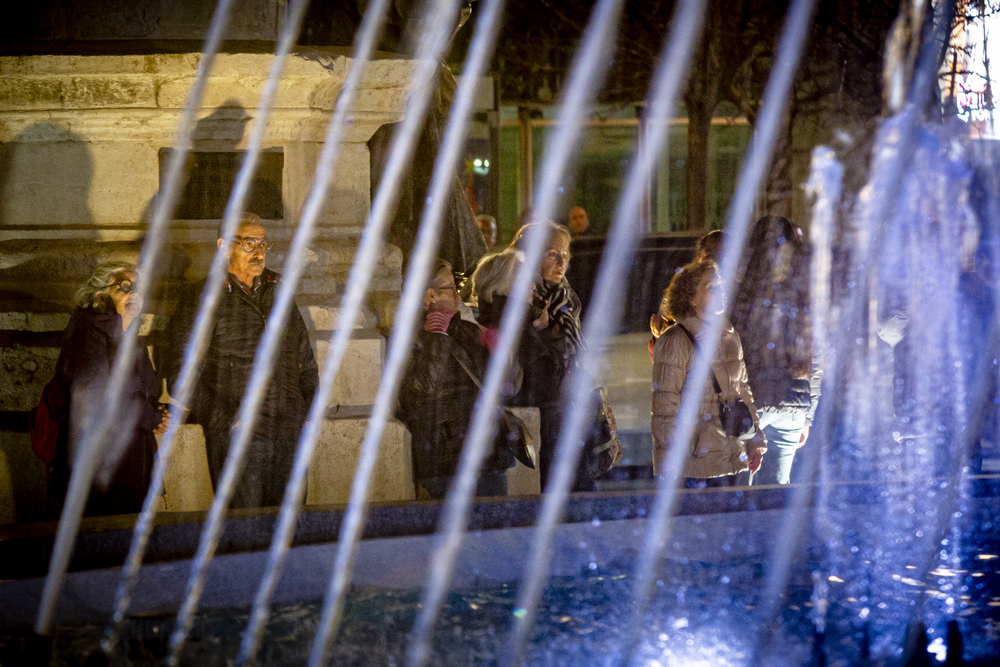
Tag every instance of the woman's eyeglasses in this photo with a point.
(125, 285)
(249, 245)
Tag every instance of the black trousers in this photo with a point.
(489, 484)
(552, 419)
(267, 467)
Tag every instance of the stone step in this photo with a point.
(22, 321)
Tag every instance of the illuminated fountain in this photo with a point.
(890, 550)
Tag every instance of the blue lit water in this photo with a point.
(702, 614)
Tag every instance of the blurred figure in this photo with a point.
(715, 458)
(107, 306)
(439, 392)
(247, 297)
(488, 226)
(579, 223)
(709, 246)
(771, 314)
(550, 345)
(526, 216)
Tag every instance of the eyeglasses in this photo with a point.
(249, 245)
(125, 285)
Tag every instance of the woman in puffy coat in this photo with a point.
(772, 316)
(106, 307)
(714, 458)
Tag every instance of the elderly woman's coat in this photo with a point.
(90, 344)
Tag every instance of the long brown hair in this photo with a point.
(773, 318)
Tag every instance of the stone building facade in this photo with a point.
(83, 145)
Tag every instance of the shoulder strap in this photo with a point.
(506, 416)
(715, 381)
(464, 363)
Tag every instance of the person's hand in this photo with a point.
(803, 437)
(164, 422)
(543, 320)
(656, 325)
(756, 457)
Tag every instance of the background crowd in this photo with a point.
(763, 368)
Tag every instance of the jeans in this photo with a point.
(782, 430)
(709, 482)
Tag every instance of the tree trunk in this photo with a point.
(696, 166)
(778, 196)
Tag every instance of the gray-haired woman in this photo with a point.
(107, 306)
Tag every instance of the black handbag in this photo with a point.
(512, 432)
(734, 414)
(603, 447)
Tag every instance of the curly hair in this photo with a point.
(683, 287)
(709, 246)
(495, 274)
(96, 292)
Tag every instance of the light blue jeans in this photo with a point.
(782, 430)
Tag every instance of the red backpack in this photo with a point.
(48, 421)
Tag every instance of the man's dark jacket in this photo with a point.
(240, 322)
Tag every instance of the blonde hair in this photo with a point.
(96, 292)
(495, 274)
(522, 233)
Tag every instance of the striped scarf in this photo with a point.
(564, 311)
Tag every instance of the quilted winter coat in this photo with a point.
(713, 453)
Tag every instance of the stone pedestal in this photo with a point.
(187, 485)
(189, 489)
(332, 473)
(23, 480)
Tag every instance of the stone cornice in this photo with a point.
(158, 127)
(140, 98)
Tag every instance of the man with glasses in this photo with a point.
(248, 295)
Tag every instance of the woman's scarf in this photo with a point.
(563, 309)
(564, 312)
